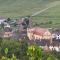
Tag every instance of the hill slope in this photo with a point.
(49, 15)
(16, 8)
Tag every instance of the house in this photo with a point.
(56, 35)
(39, 33)
(19, 21)
(6, 25)
(26, 20)
(44, 35)
(7, 32)
(2, 20)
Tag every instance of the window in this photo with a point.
(58, 37)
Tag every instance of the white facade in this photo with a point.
(7, 25)
(2, 20)
(56, 48)
(56, 36)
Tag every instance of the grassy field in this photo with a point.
(52, 14)
(19, 8)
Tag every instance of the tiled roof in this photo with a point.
(39, 31)
(7, 29)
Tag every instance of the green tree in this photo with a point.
(23, 49)
(8, 19)
(25, 23)
(38, 53)
(31, 52)
(12, 45)
(6, 58)
(34, 52)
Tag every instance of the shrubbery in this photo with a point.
(15, 49)
(6, 58)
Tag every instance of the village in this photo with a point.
(47, 38)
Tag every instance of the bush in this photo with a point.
(6, 58)
(12, 45)
(19, 48)
(13, 49)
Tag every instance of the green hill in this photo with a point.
(17, 8)
(49, 17)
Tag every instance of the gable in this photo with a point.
(47, 33)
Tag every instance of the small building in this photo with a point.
(2, 20)
(39, 33)
(6, 25)
(56, 34)
(7, 32)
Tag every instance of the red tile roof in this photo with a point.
(39, 31)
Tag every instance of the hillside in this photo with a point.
(17, 8)
(49, 15)
(45, 11)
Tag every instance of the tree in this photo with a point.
(36, 24)
(34, 52)
(6, 58)
(38, 53)
(50, 22)
(31, 52)
(12, 45)
(25, 23)
(8, 19)
(49, 58)
(23, 48)
(27, 20)
(19, 48)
